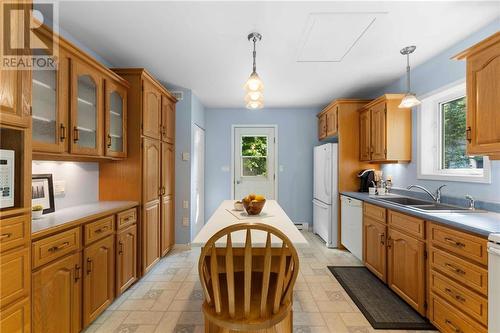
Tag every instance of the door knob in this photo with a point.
(238, 182)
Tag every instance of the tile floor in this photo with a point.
(168, 299)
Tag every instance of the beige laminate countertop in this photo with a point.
(73, 216)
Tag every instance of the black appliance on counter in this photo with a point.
(366, 179)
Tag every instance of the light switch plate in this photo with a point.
(185, 221)
(185, 204)
(185, 156)
(225, 168)
(59, 187)
(282, 168)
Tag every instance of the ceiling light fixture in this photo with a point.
(254, 87)
(410, 100)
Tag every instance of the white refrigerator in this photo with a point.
(326, 195)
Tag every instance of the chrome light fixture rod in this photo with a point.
(254, 37)
(407, 51)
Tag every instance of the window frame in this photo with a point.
(430, 144)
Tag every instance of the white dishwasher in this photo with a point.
(494, 283)
(351, 220)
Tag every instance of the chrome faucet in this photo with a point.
(436, 197)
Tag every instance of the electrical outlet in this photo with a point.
(185, 221)
(185, 156)
(59, 187)
(185, 204)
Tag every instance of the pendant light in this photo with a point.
(410, 100)
(254, 87)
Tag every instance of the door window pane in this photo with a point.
(453, 137)
(116, 121)
(44, 105)
(254, 156)
(87, 112)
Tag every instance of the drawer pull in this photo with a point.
(89, 266)
(454, 242)
(5, 236)
(58, 247)
(454, 295)
(77, 272)
(101, 230)
(453, 327)
(455, 269)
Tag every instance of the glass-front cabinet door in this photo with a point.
(116, 120)
(86, 110)
(49, 108)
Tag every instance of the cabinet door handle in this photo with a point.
(382, 239)
(89, 266)
(59, 247)
(62, 133)
(5, 236)
(109, 141)
(77, 272)
(454, 242)
(455, 269)
(453, 327)
(76, 134)
(468, 134)
(389, 242)
(120, 251)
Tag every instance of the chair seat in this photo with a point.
(254, 320)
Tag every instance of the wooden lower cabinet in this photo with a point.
(448, 319)
(14, 276)
(167, 224)
(126, 258)
(57, 290)
(151, 234)
(98, 278)
(16, 318)
(406, 268)
(374, 247)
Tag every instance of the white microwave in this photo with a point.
(6, 178)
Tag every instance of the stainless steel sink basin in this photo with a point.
(426, 206)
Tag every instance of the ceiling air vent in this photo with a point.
(178, 94)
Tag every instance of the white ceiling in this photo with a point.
(203, 45)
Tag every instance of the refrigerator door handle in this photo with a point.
(328, 175)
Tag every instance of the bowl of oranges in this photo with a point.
(254, 203)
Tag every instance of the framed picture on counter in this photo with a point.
(42, 192)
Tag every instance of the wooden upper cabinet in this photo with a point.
(374, 247)
(151, 169)
(322, 126)
(364, 135)
(151, 113)
(86, 109)
(167, 119)
(126, 258)
(378, 132)
(115, 119)
(50, 107)
(406, 268)
(388, 135)
(57, 291)
(99, 278)
(331, 121)
(483, 96)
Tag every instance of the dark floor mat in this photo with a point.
(380, 305)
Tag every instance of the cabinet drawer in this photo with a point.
(99, 229)
(16, 318)
(14, 232)
(451, 320)
(375, 212)
(14, 276)
(407, 224)
(53, 247)
(463, 271)
(469, 302)
(461, 243)
(127, 218)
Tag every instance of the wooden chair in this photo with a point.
(248, 289)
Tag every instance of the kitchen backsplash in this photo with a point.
(80, 180)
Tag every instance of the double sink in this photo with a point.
(425, 206)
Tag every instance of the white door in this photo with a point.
(198, 181)
(323, 173)
(254, 161)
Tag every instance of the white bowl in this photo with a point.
(36, 214)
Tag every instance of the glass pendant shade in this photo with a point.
(409, 101)
(255, 105)
(254, 83)
(253, 96)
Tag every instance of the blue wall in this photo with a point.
(296, 139)
(427, 77)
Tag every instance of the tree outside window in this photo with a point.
(254, 155)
